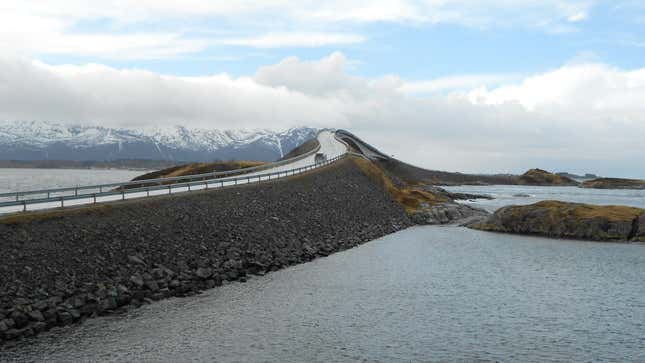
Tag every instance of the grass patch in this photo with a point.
(614, 213)
(409, 196)
(543, 177)
(35, 216)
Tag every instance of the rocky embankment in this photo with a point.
(539, 177)
(569, 220)
(423, 204)
(448, 211)
(614, 183)
(62, 267)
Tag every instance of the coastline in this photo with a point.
(72, 265)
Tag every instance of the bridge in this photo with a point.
(330, 144)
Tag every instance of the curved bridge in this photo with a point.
(330, 146)
(361, 146)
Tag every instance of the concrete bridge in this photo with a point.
(329, 144)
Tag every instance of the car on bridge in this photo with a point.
(319, 158)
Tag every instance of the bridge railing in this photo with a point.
(104, 189)
(162, 188)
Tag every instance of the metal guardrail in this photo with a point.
(190, 185)
(90, 190)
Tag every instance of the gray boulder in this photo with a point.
(445, 213)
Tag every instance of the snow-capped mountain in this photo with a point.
(35, 140)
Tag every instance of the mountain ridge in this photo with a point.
(38, 140)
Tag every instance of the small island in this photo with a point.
(614, 183)
(568, 220)
(539, 177)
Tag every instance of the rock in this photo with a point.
(39, 327)
(19, 318)
(137, 280)
(136, 260)
(36, 315)
(40, 305)
(51, 315)
(443, 213)
(152, 285)
(3, 326)
(108, 304)
(456, 196)
(639, 233)
(14, 334)
(614, 183)
(204, 273)
(521, 195)
(77, 301)
(158, 273)
(565, 220)
(65, 317)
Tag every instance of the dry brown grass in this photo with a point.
(199, 168)
(587, 211)
(409, 196)
(34, 216)
(543, 177)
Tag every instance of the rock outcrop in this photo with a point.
(569, 220)
(614, 183)
(445, 213)
(60, 267)
(456, 196)
(541, 177)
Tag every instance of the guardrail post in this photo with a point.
(62, 202)
(147, 192)
(206, 185)
(17, 197)
(76, 192)
(122, 194)
(169, 188)
(189, 187)
(94, 198)
(24, 205)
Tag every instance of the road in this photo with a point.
(328, 146)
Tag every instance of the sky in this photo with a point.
(473, 86)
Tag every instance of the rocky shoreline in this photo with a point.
(568, 220)
(614, 183)
(59, 268)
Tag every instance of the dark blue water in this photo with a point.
(423, 294)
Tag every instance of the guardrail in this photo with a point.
(80, 191)
(122, 194)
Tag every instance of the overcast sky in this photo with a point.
(485, 86)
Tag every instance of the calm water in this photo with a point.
(423, 294)
(12, 180)
(508, 194)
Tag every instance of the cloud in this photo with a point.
(147, 29)
(301, 39)
(581, 117)
(453, 83)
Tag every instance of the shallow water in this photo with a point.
(423, 294)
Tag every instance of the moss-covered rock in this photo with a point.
(569, 220)
(545, 178)
(614, 183)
